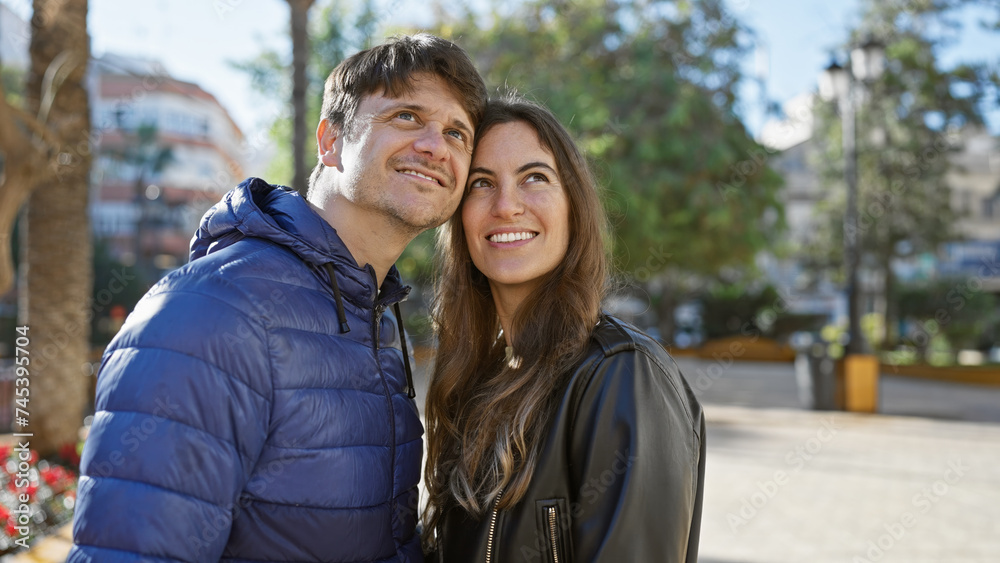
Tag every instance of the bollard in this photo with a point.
(861, 383)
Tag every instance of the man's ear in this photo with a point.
(330, 144)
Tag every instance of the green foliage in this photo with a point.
(416, 263)
(734, 309)
(954, 308)
(12, 80)
(280, 170)
(111, 294)
(648, 89)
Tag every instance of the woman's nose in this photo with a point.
(508, 202)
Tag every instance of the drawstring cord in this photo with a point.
(411, 392)
(341, 316)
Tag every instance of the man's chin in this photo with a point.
(425, 216)
(417, 223)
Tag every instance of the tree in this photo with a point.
(907, 127)
(46, 152)
(649, 90)
(300, 85)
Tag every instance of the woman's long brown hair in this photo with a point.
(486, 416)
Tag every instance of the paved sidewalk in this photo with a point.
(801, 486)
(50, 549)
(785, 484)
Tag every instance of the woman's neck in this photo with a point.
(507, 300)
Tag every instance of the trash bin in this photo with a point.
(822, 368)
(814, 373)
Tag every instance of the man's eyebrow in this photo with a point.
(393, 108)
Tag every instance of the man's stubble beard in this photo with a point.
(368, 193)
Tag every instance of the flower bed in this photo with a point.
(36, 497)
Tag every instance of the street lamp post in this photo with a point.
(840, 84)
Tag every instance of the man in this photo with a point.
(255, 405)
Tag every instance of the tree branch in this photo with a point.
(26, 158)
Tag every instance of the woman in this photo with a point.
(555, 432)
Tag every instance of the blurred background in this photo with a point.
(789, 184)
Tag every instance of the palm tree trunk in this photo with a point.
(56, 253)
(300, 58)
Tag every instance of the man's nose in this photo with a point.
(432, 143)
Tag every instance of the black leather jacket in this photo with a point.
(620, 474)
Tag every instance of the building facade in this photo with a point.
(164, 152)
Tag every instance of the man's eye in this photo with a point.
(457, 134)
(406, 115)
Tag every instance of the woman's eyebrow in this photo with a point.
(481, 170)
(536, 164)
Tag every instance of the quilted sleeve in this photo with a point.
(183, 406)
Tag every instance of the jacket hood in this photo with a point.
(275, 213)
(279, 214)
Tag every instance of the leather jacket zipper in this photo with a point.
(553, 521)
(493, 528)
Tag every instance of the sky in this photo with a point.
(197, 39)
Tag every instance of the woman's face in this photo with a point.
(516, 212)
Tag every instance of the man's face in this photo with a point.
(406, 158)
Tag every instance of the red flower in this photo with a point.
(70, 453)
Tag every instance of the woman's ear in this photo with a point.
(330, 144)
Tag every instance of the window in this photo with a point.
(186, 125)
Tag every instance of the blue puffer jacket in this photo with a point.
(241, 416)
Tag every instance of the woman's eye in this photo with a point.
(536, 177)
(480, 183)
